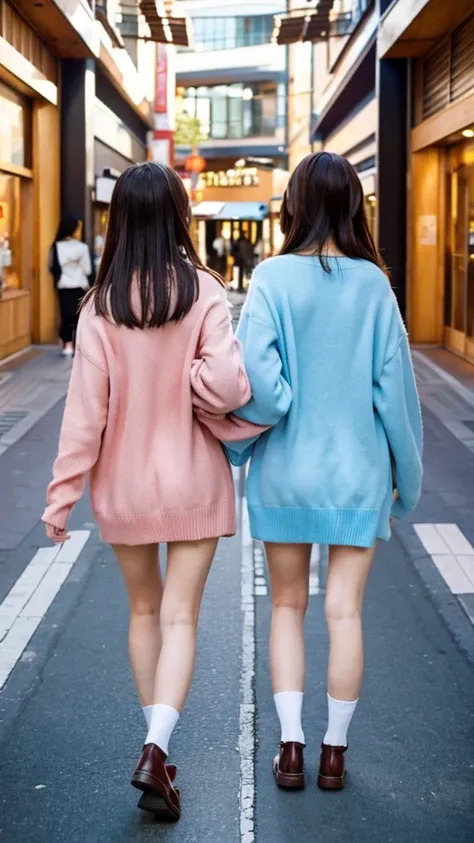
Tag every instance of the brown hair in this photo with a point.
(324, 200)
(148, 243)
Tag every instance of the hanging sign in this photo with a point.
(161, 96)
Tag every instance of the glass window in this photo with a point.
(233, 111)
(226, 33)
(10, 231)
(219, 112)
(14, 119)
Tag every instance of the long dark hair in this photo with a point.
(324, 200)
(67, 228)
(148, 245)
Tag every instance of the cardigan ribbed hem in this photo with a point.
(205, 522)
(298, 525)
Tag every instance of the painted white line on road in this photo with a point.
(431, 539)
(29, 599)
(452, 554)
(455, 539)
(247, 692)
(314, 578)
(453, 574)
(260, 581)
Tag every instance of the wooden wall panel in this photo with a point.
(14, 322)
(17, 33)
(426, 289)
(46, 170)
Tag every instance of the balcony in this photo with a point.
(235, 117)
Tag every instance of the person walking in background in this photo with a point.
(243, 255)
(71, 267)
(329, 363)
(220, 247)
(259, 251)
(154, 343)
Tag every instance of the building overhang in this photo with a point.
(228, 76)
(357, 85)
(231, 211)
(411, 27)
(248, 147)
(67, 27)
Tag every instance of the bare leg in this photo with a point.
(347, 575)
(288, 565)
(187, 570)
(141, 572)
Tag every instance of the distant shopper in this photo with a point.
(154, 351)
(259, 251)
(71, 267)
(329, 364)
(220, 247)
(243, 255)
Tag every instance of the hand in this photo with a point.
(56, 535)
(395, 495)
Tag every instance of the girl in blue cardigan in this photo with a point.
(328, 358)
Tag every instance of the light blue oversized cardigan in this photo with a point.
(329, 363)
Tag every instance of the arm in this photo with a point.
(396, 401)
(271, 392)
(86, 264)
(84, 420)
(218, 378)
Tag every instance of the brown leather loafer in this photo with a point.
(332, 769)
(152, 776)
(152, 802)
(288, 766)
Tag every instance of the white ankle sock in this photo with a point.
(163, 720)
(289, 705)
(147, 710)
(340, 714)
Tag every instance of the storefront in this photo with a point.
(441, 206)
(234, 202)
(29, 184)
(459, 274)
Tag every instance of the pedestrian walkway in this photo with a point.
(68, 705)
(33, 382)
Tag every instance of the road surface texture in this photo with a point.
(71, 729)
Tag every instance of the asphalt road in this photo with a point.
(71, 728)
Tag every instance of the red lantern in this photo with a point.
(195, 164)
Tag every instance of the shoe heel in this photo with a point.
(153, 803)
(295, 782)
(329, 783)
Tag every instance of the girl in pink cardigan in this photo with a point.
(154, 351)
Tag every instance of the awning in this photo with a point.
(231, 211)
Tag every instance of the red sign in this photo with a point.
(195, 164)
(161, 96)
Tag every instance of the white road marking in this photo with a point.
(26, 604)
(431, 539)
(247, 700)
(260, 580)
(453, 574)
(452, 554)
(314, 578)
(455, 539)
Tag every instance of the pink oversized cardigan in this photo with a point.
(130, 422)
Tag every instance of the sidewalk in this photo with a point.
(31, 383)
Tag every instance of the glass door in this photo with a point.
(459, 286)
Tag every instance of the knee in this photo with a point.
(174, 618)
(337, 609)
(144, 607)
(291, 599)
